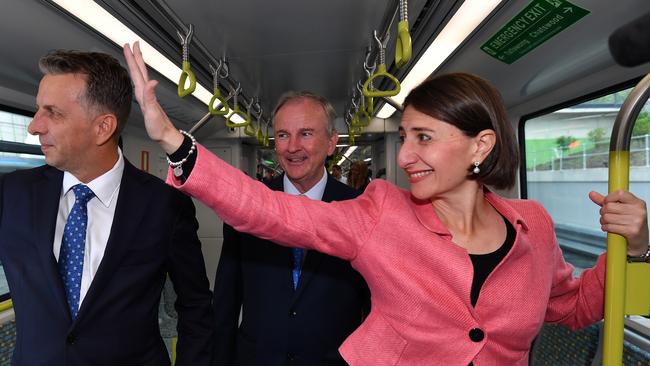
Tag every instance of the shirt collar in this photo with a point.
(315, 193)
(104, 186)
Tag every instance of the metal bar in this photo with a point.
(393, 103)
(208, 116)
(619, 178)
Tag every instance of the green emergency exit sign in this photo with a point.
(535, 24)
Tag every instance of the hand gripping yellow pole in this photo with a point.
(186, 73)
(403, 49)
(617, 268)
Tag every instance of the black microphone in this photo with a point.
(630, 44)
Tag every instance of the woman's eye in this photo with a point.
(423, 137)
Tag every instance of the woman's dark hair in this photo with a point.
(472, 105)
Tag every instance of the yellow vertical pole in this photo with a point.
(619, 172)
(174, 342)
(619, 178)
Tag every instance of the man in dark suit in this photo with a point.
(87, 240)
(297, 307)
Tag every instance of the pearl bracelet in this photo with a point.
(178, 165)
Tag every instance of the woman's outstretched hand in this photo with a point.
(623, 213)
(158, 126)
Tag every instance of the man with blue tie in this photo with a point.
(296, 307)
(88, 240)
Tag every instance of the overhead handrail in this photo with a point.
(216, 97)
(186, 72)
(167, 13)
(259, 116)
(369, 70)
(403, 49)
(267, 141)
(208, 116)
(395, 104)
(381, 72)
(621, 276)
(361, 117)
(351, 129)
(237, 111)
(249, 129)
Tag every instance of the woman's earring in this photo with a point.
(476, 168)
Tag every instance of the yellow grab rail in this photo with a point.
(620, 276)
(369, 69)
(361, 118)
(238, 112)
(186, 72)
(6, 305)
(249, 129)
(267, 141)
(403, 49)
(370, 105)
(217, 97)
(259, 136)
(381, 72)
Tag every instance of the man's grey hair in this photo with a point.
(291, 96)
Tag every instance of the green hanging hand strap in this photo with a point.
(217, 97)
(186, 72)
(403, 49)
(239, 112)
(381, 72)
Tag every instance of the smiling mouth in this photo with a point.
(421, 174)
(296, 160)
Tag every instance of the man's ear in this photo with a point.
(333, 140)
(105, 127)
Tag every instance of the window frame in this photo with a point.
(630, 323)
(521, 128)
(18, 148)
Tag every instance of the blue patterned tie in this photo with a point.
(71, 256)
(297, 265)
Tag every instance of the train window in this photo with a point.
(566, 156)
(18, 150)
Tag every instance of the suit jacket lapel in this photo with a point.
(46, 194)
(124, 228)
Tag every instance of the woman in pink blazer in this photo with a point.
(458, 275)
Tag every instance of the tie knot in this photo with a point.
(82, 193)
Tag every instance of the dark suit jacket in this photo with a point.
(153, 234)
(282, 326)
